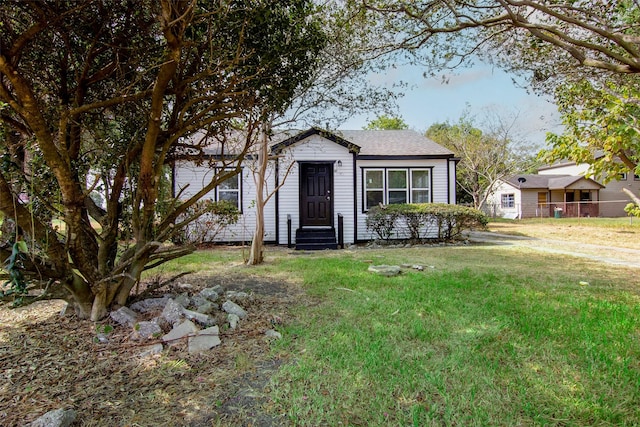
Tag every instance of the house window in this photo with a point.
(585, 196)
(420, 186)
(622, 176)
(374, 187)
(636, 177)
(398, 188)
(396, 185)
(508, 201)
(229, 190)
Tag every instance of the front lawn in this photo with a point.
(482, 336)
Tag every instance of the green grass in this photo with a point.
(489, 336)
(618, 223)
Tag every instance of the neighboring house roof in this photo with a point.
(563, 163)
(548, 182)
(372, 144)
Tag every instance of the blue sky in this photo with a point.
(476, 89)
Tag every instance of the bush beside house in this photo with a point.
(424, 221)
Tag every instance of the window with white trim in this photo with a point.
(228, 190)
(396, 185)
(508, 201)
(420, 185)
(373, 187)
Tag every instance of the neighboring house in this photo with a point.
(328, 182)
(612, 199)
(530, 195)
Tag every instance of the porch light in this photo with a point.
(339, 164)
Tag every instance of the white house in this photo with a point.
(328, 180)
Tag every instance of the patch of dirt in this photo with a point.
(50, 362)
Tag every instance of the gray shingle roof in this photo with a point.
(393, 143)
(373, 142)
(550, 182)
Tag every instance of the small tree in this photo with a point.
(485, 157)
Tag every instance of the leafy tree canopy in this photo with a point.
(101, 97)
(386, 123)
(602, 127)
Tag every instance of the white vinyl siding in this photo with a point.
(316, 149)
(191, 178)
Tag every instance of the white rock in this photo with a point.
(173, 312)
(149, 304)
(270, 333)
(211, 293)
(184, 329)
(233, 308)
(201, 318)
(206, 339)
(56, 418)
(233, 320)
(124, 316)
(151, 350)
(385, 270)
(146, 330)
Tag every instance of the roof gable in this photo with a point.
(278, 147)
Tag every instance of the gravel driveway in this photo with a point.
(606, 254)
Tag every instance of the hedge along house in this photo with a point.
(327, 181)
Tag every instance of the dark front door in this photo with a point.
(316, 193)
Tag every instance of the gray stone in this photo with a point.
(385, 270)
(233, 308)
(206, 339)
(149, 304)
(236, 296)
(233, 320)
(183, 299)
(270, 333)
(211, 293)
(205, 308)
(173, 312)
(102, 337)
(56, 418)
(146, 330)
(201, 318)
(151, 350)
(198, 299)
(184, 329)
(124, 316)
(417, 267)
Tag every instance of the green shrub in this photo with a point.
(433, 221)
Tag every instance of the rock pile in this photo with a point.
(173, 319)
